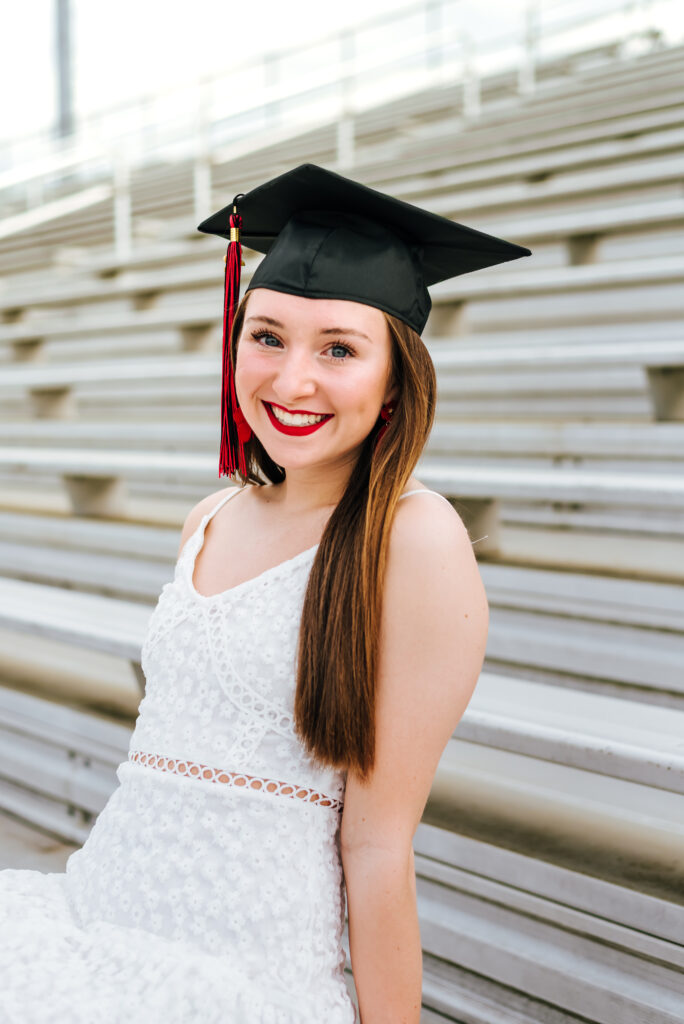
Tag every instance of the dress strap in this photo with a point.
(423, 490)
(195, 542)
(224, 499)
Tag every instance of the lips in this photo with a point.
(295, 412)
(288, 428)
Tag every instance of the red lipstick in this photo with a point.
(286, 428)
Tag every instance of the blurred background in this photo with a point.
(550, 859)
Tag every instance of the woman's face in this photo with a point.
(312, 356)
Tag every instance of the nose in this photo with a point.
(295, 378)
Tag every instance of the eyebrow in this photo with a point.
(327, 330)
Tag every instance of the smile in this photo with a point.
(297, 425)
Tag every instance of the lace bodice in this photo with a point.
(229, 660)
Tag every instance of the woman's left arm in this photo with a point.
(433, 635)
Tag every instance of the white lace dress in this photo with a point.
(197, 898)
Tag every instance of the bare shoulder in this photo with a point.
(432, 578)
(431, 647)
(198, 511)
(429, 538)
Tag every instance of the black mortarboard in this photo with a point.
(327, 236)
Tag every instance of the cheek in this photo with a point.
(362, 387)
(250, 370)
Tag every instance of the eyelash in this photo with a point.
(337, 344)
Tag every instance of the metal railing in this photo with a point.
(422, 46)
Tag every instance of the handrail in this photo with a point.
(322, 83)
(442, 18)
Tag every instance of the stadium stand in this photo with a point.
(550, 859)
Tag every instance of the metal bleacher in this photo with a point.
(550, 859)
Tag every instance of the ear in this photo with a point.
(391, 396)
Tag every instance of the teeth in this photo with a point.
(297, 420)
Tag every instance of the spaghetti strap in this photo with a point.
(197, 538)
(224, 499)
(423, 490)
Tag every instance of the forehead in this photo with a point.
(318, 314)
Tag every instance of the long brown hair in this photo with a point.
(337, 655)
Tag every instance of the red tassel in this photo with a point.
(235, 430)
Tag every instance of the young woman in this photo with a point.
(305, 669)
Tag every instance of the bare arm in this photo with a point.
(384, 937)
(433, 636)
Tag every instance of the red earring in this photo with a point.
(386, 413)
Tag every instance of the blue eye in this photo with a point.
(349, 351)
(346, 348)
(263, 334)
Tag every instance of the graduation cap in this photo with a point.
(326, 236)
